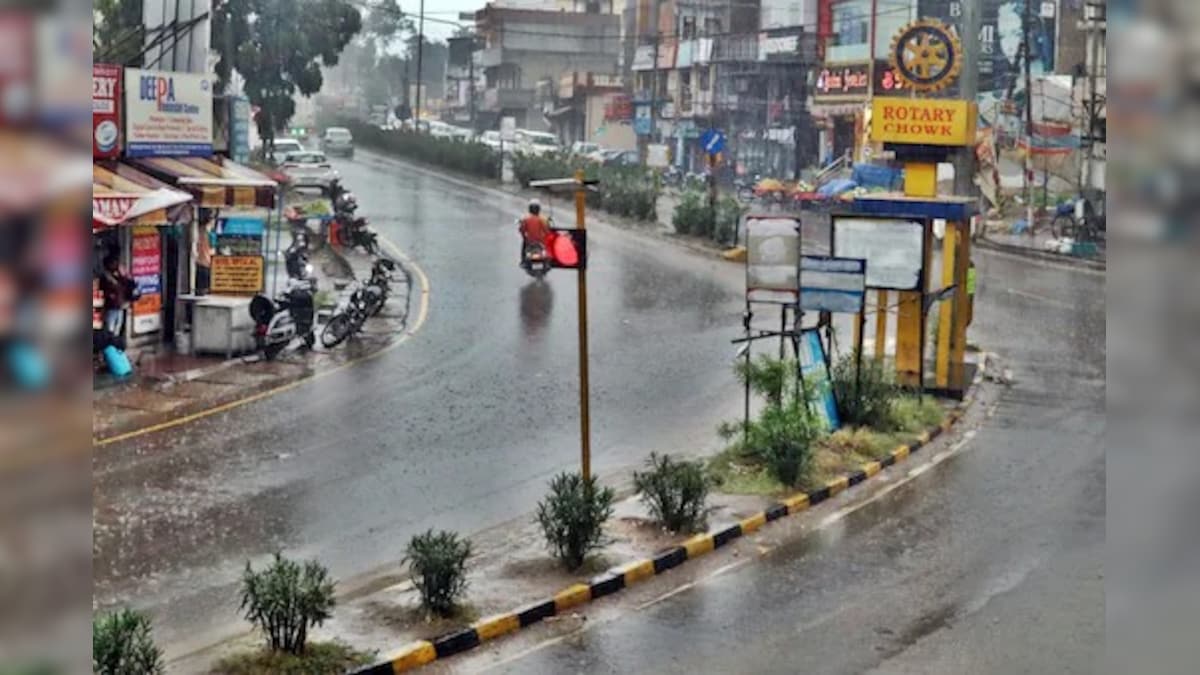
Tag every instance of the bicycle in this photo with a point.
(1080, 220)
(347, 320)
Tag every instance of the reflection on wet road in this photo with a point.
(459, 428)
(988, 563)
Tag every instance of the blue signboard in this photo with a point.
(829, 284)
(713, 141)
(641, 120)
(817, 380)
(239, 129)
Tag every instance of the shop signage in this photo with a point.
(106, 111)
(817, 380)
(113, 208)
(887, 81)
(237, 274)
(641, 122)
(852, 79)
(923, 121)
(168, 113)
(239, 129)
(618, 108)
(829, 284)
(146, 270)
(240, 235)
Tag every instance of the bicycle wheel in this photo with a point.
(1063, 226)
(336, 331)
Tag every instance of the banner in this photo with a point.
(106, 111)
(168, 114)
(239, 129)
(147, 276)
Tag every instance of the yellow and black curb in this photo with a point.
(423, 652)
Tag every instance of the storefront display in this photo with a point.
(146, 270)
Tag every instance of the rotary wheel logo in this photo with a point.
(926, 55)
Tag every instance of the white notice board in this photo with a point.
(893, 248)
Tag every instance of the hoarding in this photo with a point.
(829, 284)
(772, 259)
(146, 271)
(106, 111)
(893, 248)
(237, 274)
(923, 121)
(168, 114)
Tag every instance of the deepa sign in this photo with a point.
(168, 113)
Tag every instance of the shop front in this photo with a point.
(140, 223)
(840, 96)
(229, 249)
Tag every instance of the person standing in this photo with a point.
(118, 290)
(204, 253)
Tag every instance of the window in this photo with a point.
(688, 28)
(702, 78)
(712, 26)
(851, 30)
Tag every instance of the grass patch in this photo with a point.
(733, 473)
(319, 658)
(913, 414)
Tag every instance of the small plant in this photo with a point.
(122, 645)
(864, 398)
(437, 562)
(768, 377)
(286, 599)
(572, 517)
(319, 658)
(675, 491)
(782, 439)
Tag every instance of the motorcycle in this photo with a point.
(355, 232)
(278, 322)
(379, 286)
(348, 318)
(295, 259)
(535, 260)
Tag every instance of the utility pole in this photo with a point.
(471, 84)
(964, 160)
(420, 52)
(1027, 50)
(654, 72)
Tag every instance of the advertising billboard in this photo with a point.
(106, 111)
(168, 114)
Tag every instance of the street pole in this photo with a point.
(471, 85)
(1027, 52)
(964, 159)
(654, 72)
(420, 53)
(585, 425)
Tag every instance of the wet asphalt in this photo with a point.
(460, 427)
(988, 563)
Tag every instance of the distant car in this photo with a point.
(491, 139)
(537, 143)
(622, 158)
(308, 168)
(283, 147)
(338, 141)
(583, 148)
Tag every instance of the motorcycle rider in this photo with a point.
(534, 228)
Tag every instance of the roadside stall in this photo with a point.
(235, 205)
(142, 222)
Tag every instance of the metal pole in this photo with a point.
(654, 71)
(1027, 26)
(964, 159)
(420, 53)
(585, 424)
(471, 86)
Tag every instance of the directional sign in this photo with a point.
(713, 141)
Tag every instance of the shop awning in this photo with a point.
(122, 194)
(215, 182)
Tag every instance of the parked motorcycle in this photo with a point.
(278, 322)
(295, 259)
(379, 286)
(348, 318)
(354, 232)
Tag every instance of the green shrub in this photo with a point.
(694, 216)
(729, 214)
(465, 156)
(629, 191)
(572, 517)
(768, 377)
(437, 563)
(781, 439)
(285, 600)
(320, 658)
(864, 399)
(122, 645)
(675, 491)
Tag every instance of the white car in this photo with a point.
(491, 139)
(308, 168)
(284, 147)
(583, 148)
(537, 143)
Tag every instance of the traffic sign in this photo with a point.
(713, 141)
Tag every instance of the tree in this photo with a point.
(279, 49)
(117, 33)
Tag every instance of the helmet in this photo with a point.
(535, 207)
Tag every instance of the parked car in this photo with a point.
(621, 158)
(537, 142)
(583, 148)
(338, 141)
(308, 168)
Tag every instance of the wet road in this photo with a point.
(988, 563)
(460, 427)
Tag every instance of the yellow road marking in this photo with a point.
(415, 655)
(422, 315)
(638, 571)
(838, 485)
(797, 503)
(571, 596)
(495, 626)
(698, 545)
(754, 522)
(872, 468)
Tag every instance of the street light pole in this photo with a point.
(585, 423)
(964, 159)
(420, 52)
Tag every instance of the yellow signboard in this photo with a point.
(923, 121)
(237, 274)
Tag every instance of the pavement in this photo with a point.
(989, 562)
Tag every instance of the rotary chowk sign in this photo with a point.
(923, 121)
